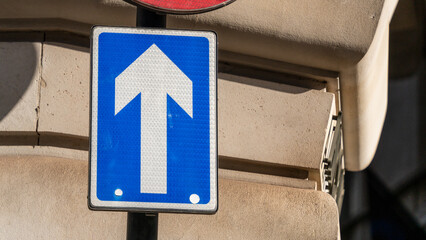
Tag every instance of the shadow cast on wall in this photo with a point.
(18, 66)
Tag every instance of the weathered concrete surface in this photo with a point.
(65, 90)
(258, 211)
(362, 136)
(330, 33)
(45, 198)
(341, 36)
(19, 79)
(271, 122)
(258, 120)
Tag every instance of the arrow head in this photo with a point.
(153, 73)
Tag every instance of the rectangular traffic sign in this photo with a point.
(153, 120)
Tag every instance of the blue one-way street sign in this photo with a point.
(153, 120)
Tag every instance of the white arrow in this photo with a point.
(153, 75)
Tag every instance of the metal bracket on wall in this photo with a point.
(332, 166)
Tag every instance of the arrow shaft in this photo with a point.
(154, 143)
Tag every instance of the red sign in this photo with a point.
(183, 6)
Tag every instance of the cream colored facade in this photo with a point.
(286, 69)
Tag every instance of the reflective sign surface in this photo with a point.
(153, 125)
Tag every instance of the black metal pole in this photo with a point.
(148, 18)
(144, 226)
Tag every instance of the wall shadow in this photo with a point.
(18, 65)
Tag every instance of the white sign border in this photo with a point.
(96, 204)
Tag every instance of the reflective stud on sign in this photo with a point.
(152, 65)
(118, 192)
(153, 120)
(194, 198)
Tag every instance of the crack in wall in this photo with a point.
(40, 85)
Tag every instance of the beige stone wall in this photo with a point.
(260, 123)
(45, 197)
(317, 57)
(265, 190)
(342, 39)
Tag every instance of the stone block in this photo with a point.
(271, 122)
(46, 198)
(65, 91)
